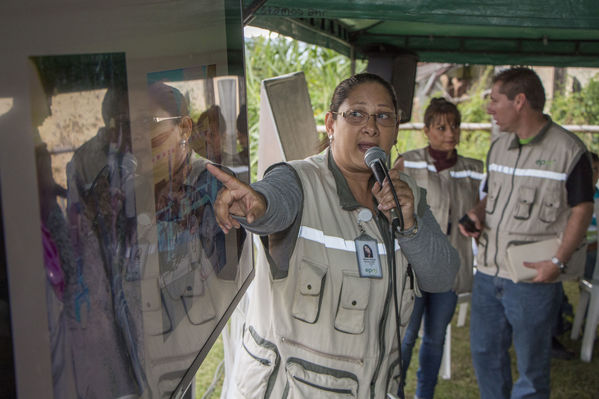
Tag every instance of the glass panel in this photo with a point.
(139, 275)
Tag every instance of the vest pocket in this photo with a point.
(309, 380)
(492, 196)
(308, 292)
(198, 305)
(257, 366)
(526, 198)
(550, 206)
(353, 301)
(393, 374)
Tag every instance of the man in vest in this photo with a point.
(538, 187)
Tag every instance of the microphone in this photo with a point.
(376, 159)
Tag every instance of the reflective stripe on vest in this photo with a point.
(457, 174)
(460, 174)
(311, 234)
(419, 165)
(545, 174)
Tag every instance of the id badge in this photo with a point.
(367, 252)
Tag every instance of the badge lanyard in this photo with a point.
(367, 251)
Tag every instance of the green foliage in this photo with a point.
(475, 143)
(579, 108)
(474, 110)
(408, 140)
(277, 55)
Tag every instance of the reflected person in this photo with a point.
(192, 249)
(208, 135)
(100, 207)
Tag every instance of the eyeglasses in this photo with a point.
(359, 118)
(150, 122)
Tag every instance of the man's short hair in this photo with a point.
(522, 80)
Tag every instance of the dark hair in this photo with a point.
(440, 106)
(213, 115)
(344, 88)
(241, 122)
(522, 80)
(169, 99)
(594, 157)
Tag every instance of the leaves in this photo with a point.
(267, 57)
(579, 108)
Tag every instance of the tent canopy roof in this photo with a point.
(516, 32)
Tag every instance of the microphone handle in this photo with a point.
(379, 171)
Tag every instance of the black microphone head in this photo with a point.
(374, 154)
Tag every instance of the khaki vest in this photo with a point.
(527, 197)
(323, 331)
(450, 194)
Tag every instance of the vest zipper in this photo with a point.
(503, 211)
(383, 322)
(265, 362)
(323, 354)
(382, 332)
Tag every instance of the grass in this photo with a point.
(569, 378)
(206, 372)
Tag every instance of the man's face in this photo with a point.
(502, 109)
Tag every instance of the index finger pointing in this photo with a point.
(225, 178)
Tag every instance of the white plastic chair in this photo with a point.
(463, 301)
(589, 295)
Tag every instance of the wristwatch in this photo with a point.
(561, 265)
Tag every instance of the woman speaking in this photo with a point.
(321, 320)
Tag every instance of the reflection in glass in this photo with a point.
(133, 293)
(192, 250)
(88, 241)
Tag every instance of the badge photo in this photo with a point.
(369, 264)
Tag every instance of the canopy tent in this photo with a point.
(517, 32)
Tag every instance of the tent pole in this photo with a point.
(249, 11)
